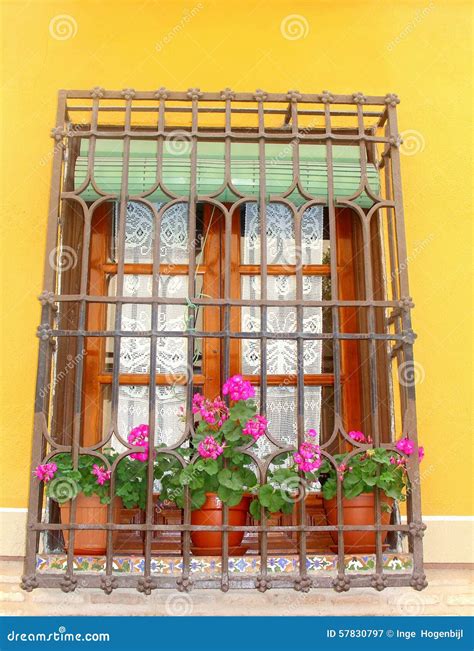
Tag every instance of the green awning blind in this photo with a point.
(108, 163)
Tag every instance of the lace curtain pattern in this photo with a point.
(172, 351)
(281, 353)
(139, 234)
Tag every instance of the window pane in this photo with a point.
(281, 235)
(135, 351)
(282, 413)
(139, 234)
(281, 354)
(133, 410)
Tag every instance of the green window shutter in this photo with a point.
(210, 170)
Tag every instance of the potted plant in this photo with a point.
(218, 470)
(89, 484)
(370, 469)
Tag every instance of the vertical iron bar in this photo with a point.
(263, 310)
(409, 416)
(298, 219)
(338, 420)
(369, 289)
(120, 284)
(35, 498)
(191, 319)
(227, 326)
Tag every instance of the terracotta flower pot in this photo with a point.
(358, 511)
(89, 510)
(210, 542)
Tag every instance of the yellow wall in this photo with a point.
(420, 50)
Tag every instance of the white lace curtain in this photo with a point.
(172, 352)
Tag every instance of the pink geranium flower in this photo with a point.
(101, 473)
(407, 446)
(238, 389)
(255, 427)
(139, 437)
(342, 469)
(46, 472)
(214, 412)
(308, 457)
(210, 448)
(359, 437)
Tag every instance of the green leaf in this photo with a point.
(223, 492)
(350, 479)
(224, 474)
(381, 456)
(248, 477)
(330, 488)
(265, 493)
(242, 411)
(370, 480)
(353, 490)
(287, 507)
(197, 499)
(226, 478)
(280, 459)
(234, 498)
(211, 467)
(255, 509)
(234, 435)
(197, 482)
(276, 502)
(283, 474)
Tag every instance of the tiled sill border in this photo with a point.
(238, 565)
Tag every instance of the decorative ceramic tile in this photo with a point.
(211, 565)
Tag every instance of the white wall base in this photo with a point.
(448, 539)
(12, 532)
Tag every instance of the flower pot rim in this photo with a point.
(116, 498)
(210, 494)
(364, 495)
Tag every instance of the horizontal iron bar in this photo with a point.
(287, 137)
(219, 302)
(216, 96)
(45, 526)
(210, 109)
(280, 580)
(309, 336)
